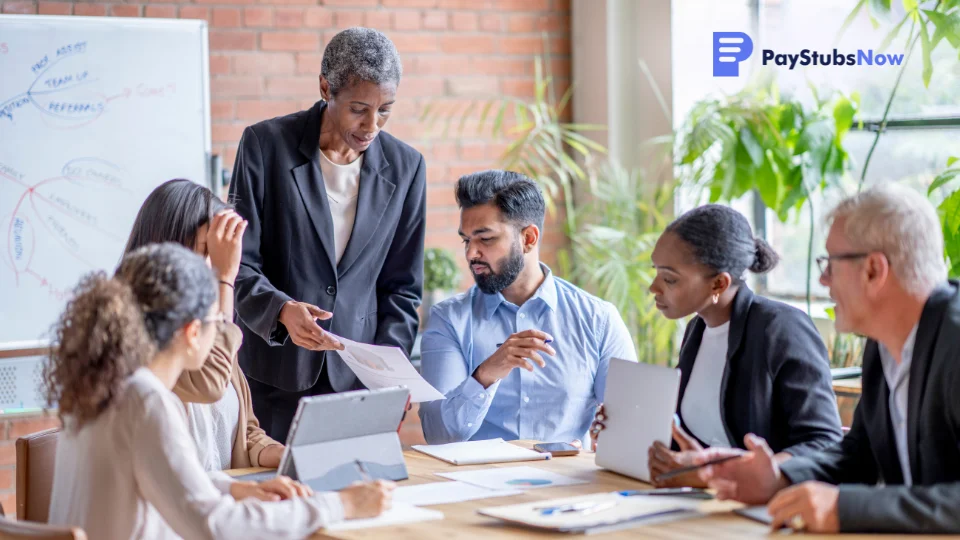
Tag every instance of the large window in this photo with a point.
(909, 152)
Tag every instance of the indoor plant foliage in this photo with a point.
(441, 277)
(775, 146)
(623, 218)
(440, 271)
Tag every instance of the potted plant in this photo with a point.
(441, 277)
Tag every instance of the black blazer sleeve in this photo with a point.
(400, 283)
(258, 301)
(900, 509)
(930, 508)
(849, 461)
(803, 389)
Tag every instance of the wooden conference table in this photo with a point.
(461, 521)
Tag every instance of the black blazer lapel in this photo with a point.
(374, 196)
(310, 183)
(928, 330)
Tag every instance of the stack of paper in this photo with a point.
(480, 452)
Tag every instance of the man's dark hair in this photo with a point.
(519, 198)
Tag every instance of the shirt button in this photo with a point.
(481, 395)
(526, 399)
(523, 316)
(469, 424)
(331, 290)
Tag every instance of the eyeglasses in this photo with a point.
(823, 261)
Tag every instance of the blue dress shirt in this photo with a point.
(555, 403)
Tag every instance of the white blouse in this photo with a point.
(133, 472)
(701, 400)
(214, 429)
(342, 183)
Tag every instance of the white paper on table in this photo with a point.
(447, 493)
(513, 478)
(480, 452)
(397, 515)
(384, 367)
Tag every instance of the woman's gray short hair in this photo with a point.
(360, 54)
(903, 225)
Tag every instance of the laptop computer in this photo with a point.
(640, 401)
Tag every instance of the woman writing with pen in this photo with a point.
(748, 364)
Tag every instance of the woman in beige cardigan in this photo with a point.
(217, 397)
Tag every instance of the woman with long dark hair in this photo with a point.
(219, 407)
(126, 466)
(748, 364)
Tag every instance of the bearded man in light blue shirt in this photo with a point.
(523, 354)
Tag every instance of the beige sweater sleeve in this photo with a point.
(208, 384)
(257, 439)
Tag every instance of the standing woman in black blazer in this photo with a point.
(748, 364)
(336, 212)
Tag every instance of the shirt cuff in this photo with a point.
(333, 505)
(475, 393)
(222, 481)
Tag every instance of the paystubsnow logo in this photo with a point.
(732, 48)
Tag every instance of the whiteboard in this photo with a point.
(94, 114)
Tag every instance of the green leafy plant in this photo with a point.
(624, 216)
(440, 271)
(930, 24)
(543, 146)
(760, 141)
(949, 211)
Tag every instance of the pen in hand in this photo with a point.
(684, 470)
(545, 341)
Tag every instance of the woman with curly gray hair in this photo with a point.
(334, 245)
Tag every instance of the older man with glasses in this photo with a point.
(898, 469)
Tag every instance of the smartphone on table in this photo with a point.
(557, 449)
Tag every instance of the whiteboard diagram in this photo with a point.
(94, 114)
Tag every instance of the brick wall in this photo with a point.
(265, 58)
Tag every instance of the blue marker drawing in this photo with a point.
(60, 89)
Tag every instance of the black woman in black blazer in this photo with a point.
(289, 259)
(776, 381)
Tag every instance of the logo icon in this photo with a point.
(729, 49)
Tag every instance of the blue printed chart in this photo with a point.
(94, 114)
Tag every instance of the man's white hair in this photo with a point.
(903, 225)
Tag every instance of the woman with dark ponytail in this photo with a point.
(748, 364)
(126, 465)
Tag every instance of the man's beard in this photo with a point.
(496, 281)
